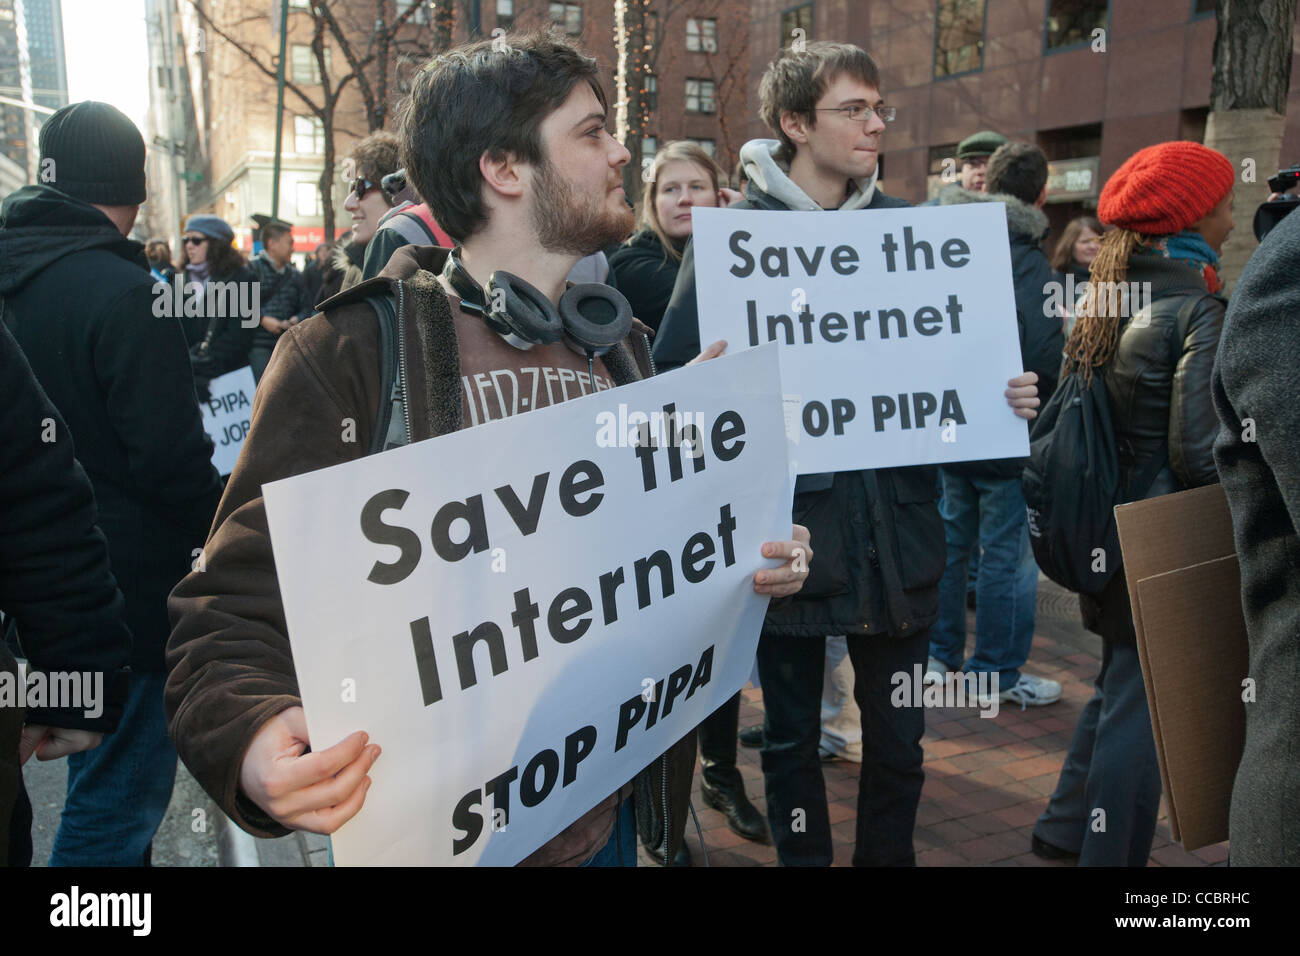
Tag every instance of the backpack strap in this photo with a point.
(437, 234)
(390, 423)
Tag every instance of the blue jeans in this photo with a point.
(118, 792)
(620, 850)
(1112, 766)
(990, 511)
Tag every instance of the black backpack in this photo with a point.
(1072, 482)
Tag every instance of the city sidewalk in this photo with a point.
(986, 779)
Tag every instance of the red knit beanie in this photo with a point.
(1163, 189)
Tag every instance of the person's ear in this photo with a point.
(795, 126)
(1042, 197)
(502, 174)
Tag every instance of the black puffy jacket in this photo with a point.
(80, 302)
(877, 535)
(645, 273)
(1161, 403)
(1159, 387)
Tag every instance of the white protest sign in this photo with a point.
(897, 326)
(226, 415)
(526, 613)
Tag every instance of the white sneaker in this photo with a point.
(935, 672)
(1031, 691)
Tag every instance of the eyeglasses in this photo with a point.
(361, 187)
(194, 240)
(860, 114)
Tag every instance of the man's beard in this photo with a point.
(568, 223)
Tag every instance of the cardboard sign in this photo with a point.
(226, 415)
(1185, 589)
(526, 613)
(897, 326)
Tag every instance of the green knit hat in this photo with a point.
(983, 143)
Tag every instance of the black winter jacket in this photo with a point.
(283, 295)
(1257, 377)
(877, 535)
(219, 341)
(1158, 386)
(55, 580)
(1041, 336)
(645, 273)
(80, 302)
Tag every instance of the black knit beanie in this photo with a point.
(98, 155)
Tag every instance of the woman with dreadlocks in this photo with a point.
(1149, 328)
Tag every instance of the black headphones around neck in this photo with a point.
(595, 317)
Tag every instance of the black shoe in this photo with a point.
(1050, 851)
(742, 816)
(751, 736)
(682, 857)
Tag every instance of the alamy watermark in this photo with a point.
(667, 428)
(55, 690)
(213, 299)
(1116, 299)
(972, 689)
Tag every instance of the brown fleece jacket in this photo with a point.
(230, 664)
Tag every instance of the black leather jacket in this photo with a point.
(1159, 386)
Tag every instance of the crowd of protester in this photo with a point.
(101, 554)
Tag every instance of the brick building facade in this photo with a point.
(1035, 70)
(697, 54)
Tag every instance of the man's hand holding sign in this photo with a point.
(452, 586)
(893, 328)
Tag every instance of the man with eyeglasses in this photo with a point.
(881, 539)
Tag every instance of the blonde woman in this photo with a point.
(682, 177)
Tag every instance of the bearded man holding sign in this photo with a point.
(879, 530)
(508, 145)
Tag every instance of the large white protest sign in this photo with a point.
(526, 613)
(226, 415)
(897, 327)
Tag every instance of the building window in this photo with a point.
(1202, 8)
(649, 146)
(699, 96)
(299, 4)
(303, 67)
(307, 199)
(1071, 22)
(308, 136)
(797, 18)
(568, 14)
(701, 36)
(958, 37)
(421, 15)
(707, 145)
(651, 92)
(505, 14)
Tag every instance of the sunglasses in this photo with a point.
(361, 187)
(194, 240)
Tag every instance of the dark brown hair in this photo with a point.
(271, 232)
(224, 260)
(1017, 169)
(376, 156)
(794, 82)
(476, 99)
(1063, 254)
